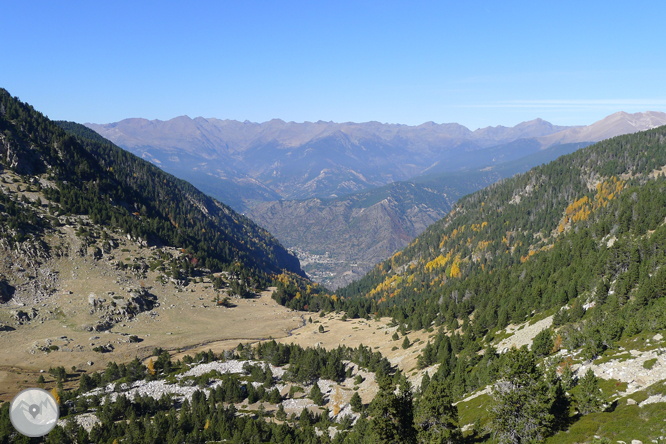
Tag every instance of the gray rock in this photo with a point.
(631, 401)
(636, 441)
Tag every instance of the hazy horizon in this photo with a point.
(478, 65)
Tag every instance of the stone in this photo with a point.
(631, 401)
(636, 441)
(657, 337)
(90, 363)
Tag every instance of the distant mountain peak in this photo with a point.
(616, 124)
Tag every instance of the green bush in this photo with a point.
(649, 363)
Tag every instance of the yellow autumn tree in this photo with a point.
(54, 392)
(337, 400)
(151, 366)
(455, 270)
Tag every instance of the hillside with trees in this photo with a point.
(580, 238)
(83, 174)
(339, 240)
(575, 246)
(586, 224)
(578, 243)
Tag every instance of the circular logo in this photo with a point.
(34, 412)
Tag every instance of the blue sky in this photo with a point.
(477, 63)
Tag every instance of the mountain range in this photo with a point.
(243, 163)
(565, 261)
(344, 196)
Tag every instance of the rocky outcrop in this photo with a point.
(21, 159)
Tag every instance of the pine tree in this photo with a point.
(406, 343)
(520, 411)
(356, 403)
(392, 413)
(315, 394)
(281, 415)
(542, 344)
(588, 398)
(436, 417)
(425, 382)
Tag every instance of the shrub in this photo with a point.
(649, 363)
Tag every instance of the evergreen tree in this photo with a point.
(316, 395)
(392, 414)
(542, 344)
(520, 411)
(356, 403)
(281, 415)
(425, 381)
(587, 397)
(436, 418)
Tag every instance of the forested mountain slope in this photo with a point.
(525, 243)
(341, 239)
(586, 230)
(84, 174)
(581, 239)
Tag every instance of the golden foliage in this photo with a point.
(557, 344)
(55, 394)
(482, 245)
(581, 209)
(478, 227)
(337, 400)
(533, 252)
(386, 285)
(455, 270)
(438, 262)
(151, 366)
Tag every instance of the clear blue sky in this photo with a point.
(478, 63)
